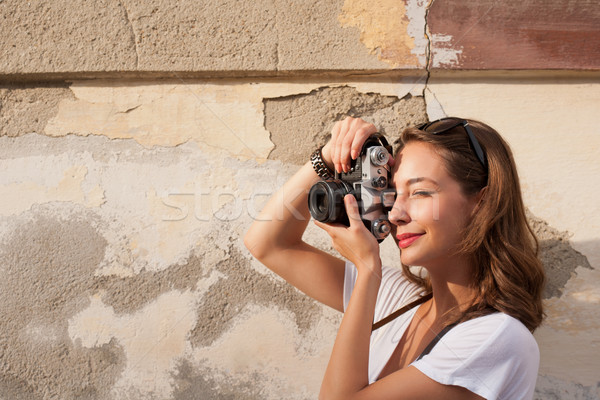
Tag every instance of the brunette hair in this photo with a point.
(499, 240)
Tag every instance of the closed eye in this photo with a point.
(422, 193)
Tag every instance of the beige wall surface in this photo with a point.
(125, 195)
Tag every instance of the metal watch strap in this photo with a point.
(316, 159)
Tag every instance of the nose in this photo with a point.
(398, 215)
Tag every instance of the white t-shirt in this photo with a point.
(494, 356)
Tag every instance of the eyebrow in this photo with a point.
(412, 181)
(419, 179)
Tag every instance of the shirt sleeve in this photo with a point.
(394, 292)
(494, 356)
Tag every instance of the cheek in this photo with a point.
(450, 221)
(425, 210)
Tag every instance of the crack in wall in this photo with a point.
(277, 39)
(427, 52)
(135, 45)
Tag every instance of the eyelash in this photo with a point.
(422, 193)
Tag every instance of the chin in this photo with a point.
(412, 257)
(408, 259)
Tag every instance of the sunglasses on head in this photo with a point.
(444, 125)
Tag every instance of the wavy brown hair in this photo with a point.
(499, 240)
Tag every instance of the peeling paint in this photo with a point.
(47, 263)
(219, 116)
(193, 382)
(558, 256)
(26, 108)
(416, 12)
(266, 331)
(574, 311)
(20, 196)
(550, 387)
(152, 338)
(444, 52)
(311, 117)
(164, 115)
(434, 108)
(385, 29)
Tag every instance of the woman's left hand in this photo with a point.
(355, 242)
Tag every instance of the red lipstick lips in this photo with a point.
(406, 239)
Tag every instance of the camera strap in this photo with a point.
(435, 340)
(401, 311)
(404, 309)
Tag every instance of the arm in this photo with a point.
(347, 371)
(275, 237)
(346, 376)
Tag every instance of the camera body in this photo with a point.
(368, 181)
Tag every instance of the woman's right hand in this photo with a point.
(347, 138)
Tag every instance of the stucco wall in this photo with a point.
(138, 142)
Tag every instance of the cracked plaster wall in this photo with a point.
(172, 295)
(124, 202)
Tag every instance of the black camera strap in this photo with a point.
(404, 309)
(435, 340)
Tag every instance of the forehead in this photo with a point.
(418, 159)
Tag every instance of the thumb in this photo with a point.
(352, 209)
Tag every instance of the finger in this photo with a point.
(359, 139)
(352, 209)
(335, 134)
(338, 145)
(392, 161)
(330, 147)
(345, 154)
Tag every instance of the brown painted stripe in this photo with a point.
(515, 34)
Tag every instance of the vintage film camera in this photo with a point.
(368, 180)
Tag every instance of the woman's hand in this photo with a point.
(355, 242)
(347, 139)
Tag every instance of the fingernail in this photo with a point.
(353, 154)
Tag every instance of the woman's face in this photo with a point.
(430, 211)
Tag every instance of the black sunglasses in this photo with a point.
(447, 124)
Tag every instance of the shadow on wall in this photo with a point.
(559, 258)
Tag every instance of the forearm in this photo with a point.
(347, 371)
(284, 218)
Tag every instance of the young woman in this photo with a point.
(458, 214)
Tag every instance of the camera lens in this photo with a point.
(326, 201)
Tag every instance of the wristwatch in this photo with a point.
(322, 169)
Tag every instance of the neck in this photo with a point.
(452, 285)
